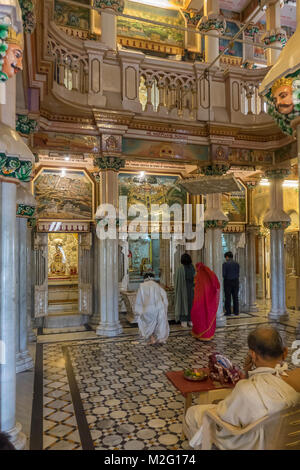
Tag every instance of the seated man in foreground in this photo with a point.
(268, 389)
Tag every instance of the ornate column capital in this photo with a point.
(215, 224)
(26, 211)
(192, 17)
(275, 35)
(13, 167)
(213, 22)
(109, 163)
(25, 125)
(116, 6)
(277, 225)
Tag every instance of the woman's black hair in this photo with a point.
(147, 275)
(186, 259)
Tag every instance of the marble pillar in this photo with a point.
(108, 291)
(16, 166)
(165, 262)
(109, 12)
(273, 23)
(8, 313)
(276, 220)
(23, 359)
(215, 221)
(211, 10)
(251, 267)
(30, 286)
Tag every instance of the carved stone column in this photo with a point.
(25, 209)
(192, 40)
(108, 248)
(109, 11)
(16, 163)
(251, 233)
(274, 36)
(84, 278)
(214, 24)
(276, 220)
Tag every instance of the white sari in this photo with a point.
(264, 393)
(151, 308)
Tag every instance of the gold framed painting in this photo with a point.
(64, 194)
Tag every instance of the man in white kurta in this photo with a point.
(151, 308)
(266, 391)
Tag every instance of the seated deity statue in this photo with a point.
(58, 266)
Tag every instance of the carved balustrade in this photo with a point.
(85, 73)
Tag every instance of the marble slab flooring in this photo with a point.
(112, 393)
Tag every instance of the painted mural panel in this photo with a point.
(137, 29)
(66, 142)
(164, 150)
(71, 15)
(234, 205)
(150, 189)
(237, 50)
(63, 195)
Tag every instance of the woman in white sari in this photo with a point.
(151, 307)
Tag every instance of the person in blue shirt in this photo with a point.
(231, 273)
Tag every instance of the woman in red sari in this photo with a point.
(206, 302)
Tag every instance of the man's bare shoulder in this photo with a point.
(293, 379)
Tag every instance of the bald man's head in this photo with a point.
(266, 342)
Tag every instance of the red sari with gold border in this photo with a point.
(206, 302)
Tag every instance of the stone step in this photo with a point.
(64, 319)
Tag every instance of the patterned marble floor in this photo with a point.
(112, 393)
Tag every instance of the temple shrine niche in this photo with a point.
(62, 273)
(63, 255)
